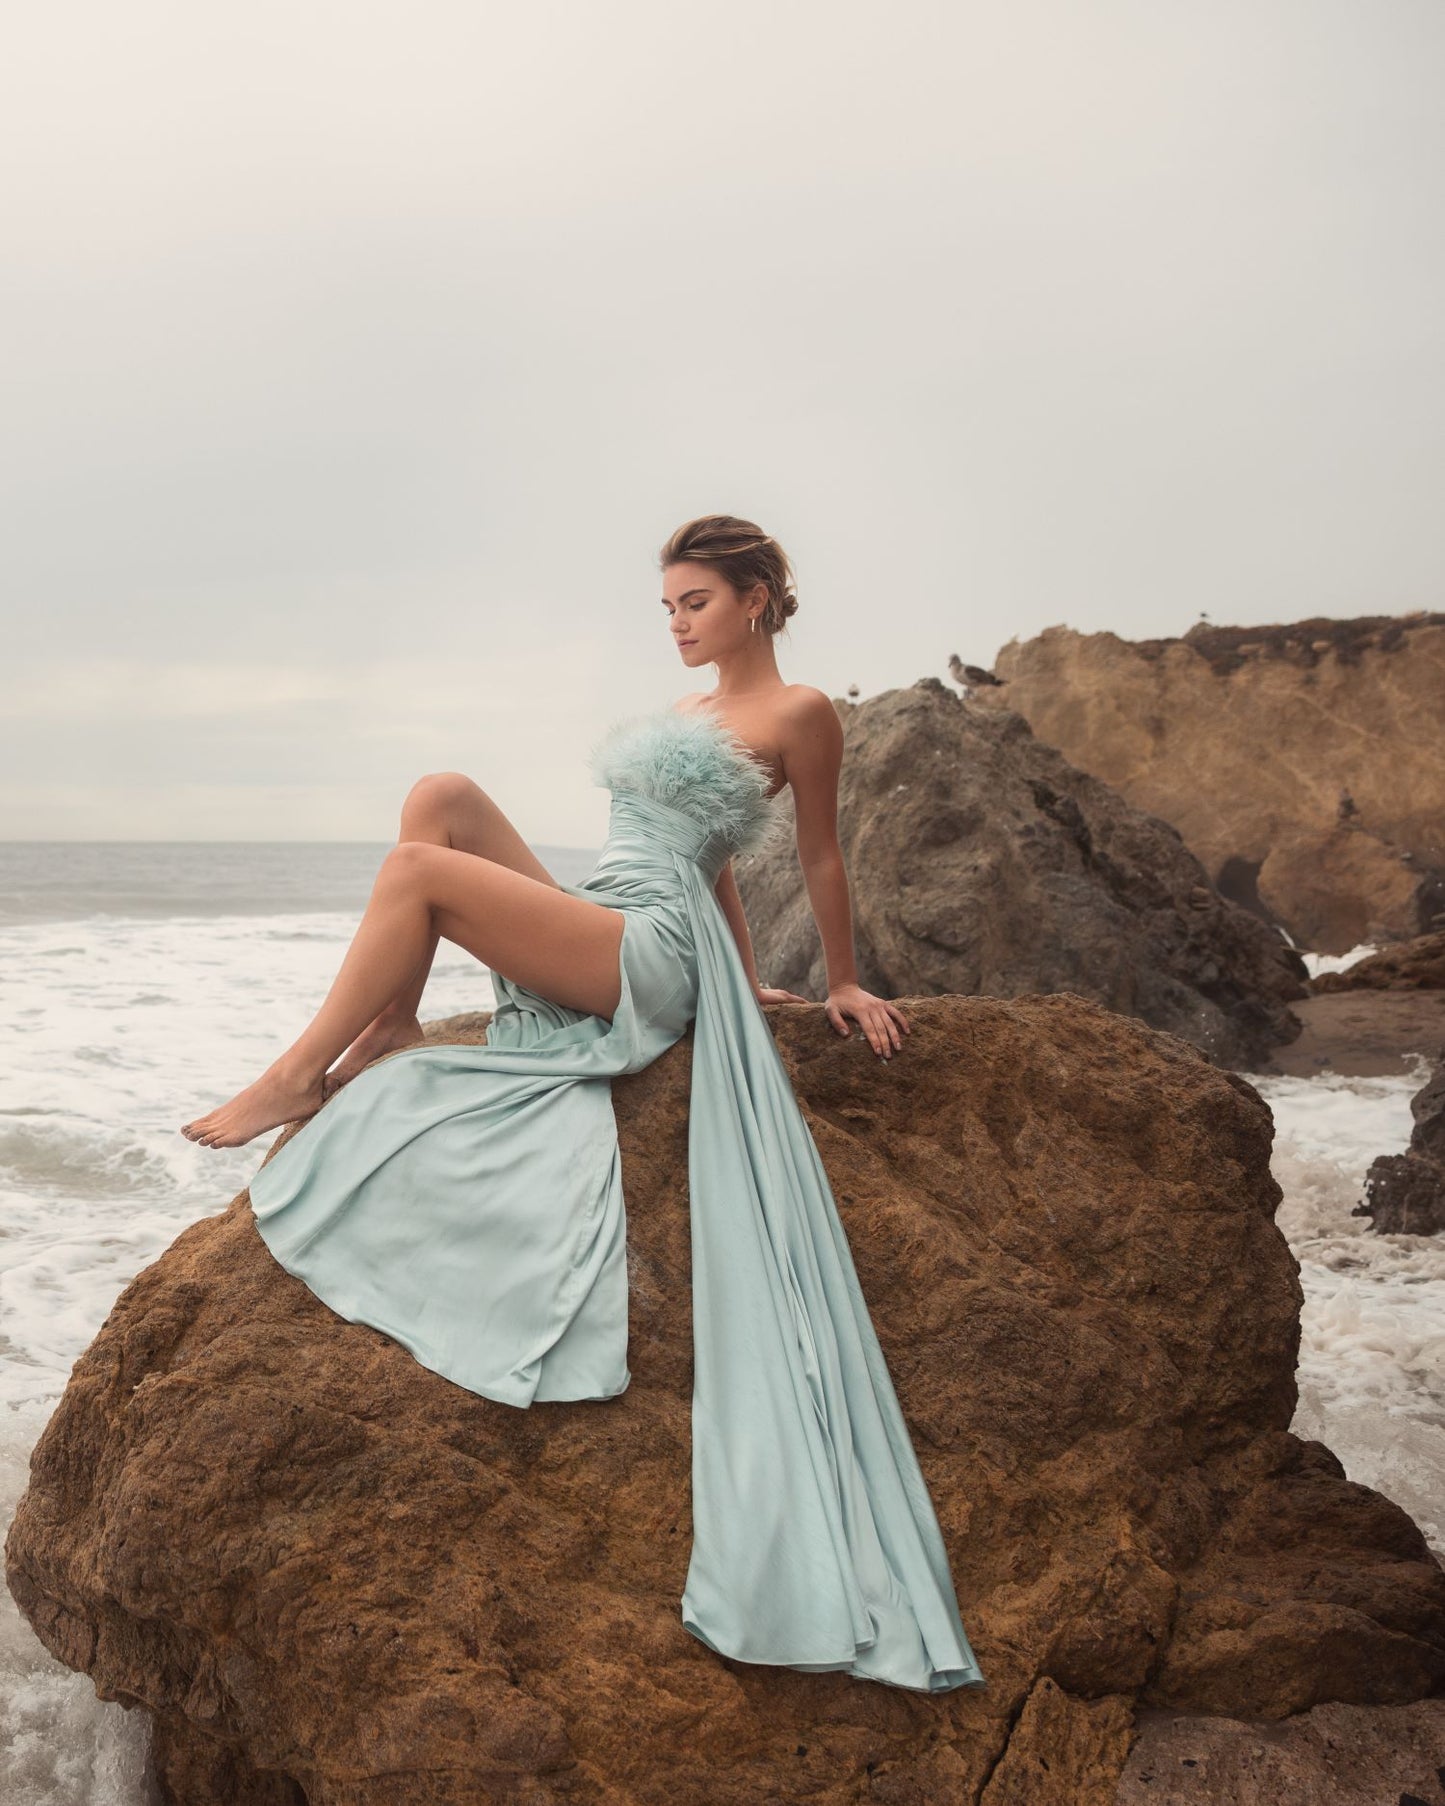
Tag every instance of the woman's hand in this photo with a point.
(879, 1019)
(771, 994)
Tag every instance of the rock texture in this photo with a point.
(981, 861)
(336, 1578)
(1405, 1193)
(1417, 965)
(1302, 763)
(1333, 1756)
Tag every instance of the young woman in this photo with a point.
(467, 1200)
(460, 870)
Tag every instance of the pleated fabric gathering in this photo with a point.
(468, 1203)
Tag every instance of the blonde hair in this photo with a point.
(741, 552)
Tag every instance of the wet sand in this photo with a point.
(1363, 1034)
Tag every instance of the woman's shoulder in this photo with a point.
(807, 703)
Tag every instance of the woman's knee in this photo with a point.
(443, 787)
(440, 794)
(410, 864)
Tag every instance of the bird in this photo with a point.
(970, 676)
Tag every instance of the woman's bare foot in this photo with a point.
(278, 1096)
(382, 1037)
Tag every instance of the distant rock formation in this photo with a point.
(1301, 763)
(1417, 965)
(1405, 1193)
(982, 862)
(331, 1575)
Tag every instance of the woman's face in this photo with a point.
(706, 616)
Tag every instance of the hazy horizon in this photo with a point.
(360, 360)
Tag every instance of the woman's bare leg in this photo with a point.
(563, 947)
(445, 809)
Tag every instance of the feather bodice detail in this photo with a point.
(695, 764)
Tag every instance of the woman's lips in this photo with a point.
(682, 643)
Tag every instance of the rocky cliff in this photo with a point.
(982, 861)
(1304, 764)
(335, 1578)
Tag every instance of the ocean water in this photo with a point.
(139, 985)
(142, 983)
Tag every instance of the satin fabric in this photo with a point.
(468, 1202)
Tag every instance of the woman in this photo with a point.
(513, 915)
(467, 1200)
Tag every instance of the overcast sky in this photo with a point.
(359, 357)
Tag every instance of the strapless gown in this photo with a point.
(467, 1201)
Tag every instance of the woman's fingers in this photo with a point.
(879, 1040)
(879, 1020)
(891, 1020)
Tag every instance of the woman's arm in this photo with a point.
(826, 878)
(813, 758)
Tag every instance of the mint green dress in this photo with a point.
(467, 1201)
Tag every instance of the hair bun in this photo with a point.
(744, 555)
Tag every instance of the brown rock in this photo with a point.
(1337, 1755)
(1299, 762)
(982, 862)
(1063, 1751)
(1405, 1193)
(323, 1568)
(1334, 888)
(1417, 965)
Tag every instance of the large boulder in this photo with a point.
(1300, 762)
(333, 1577)
(981, 861)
